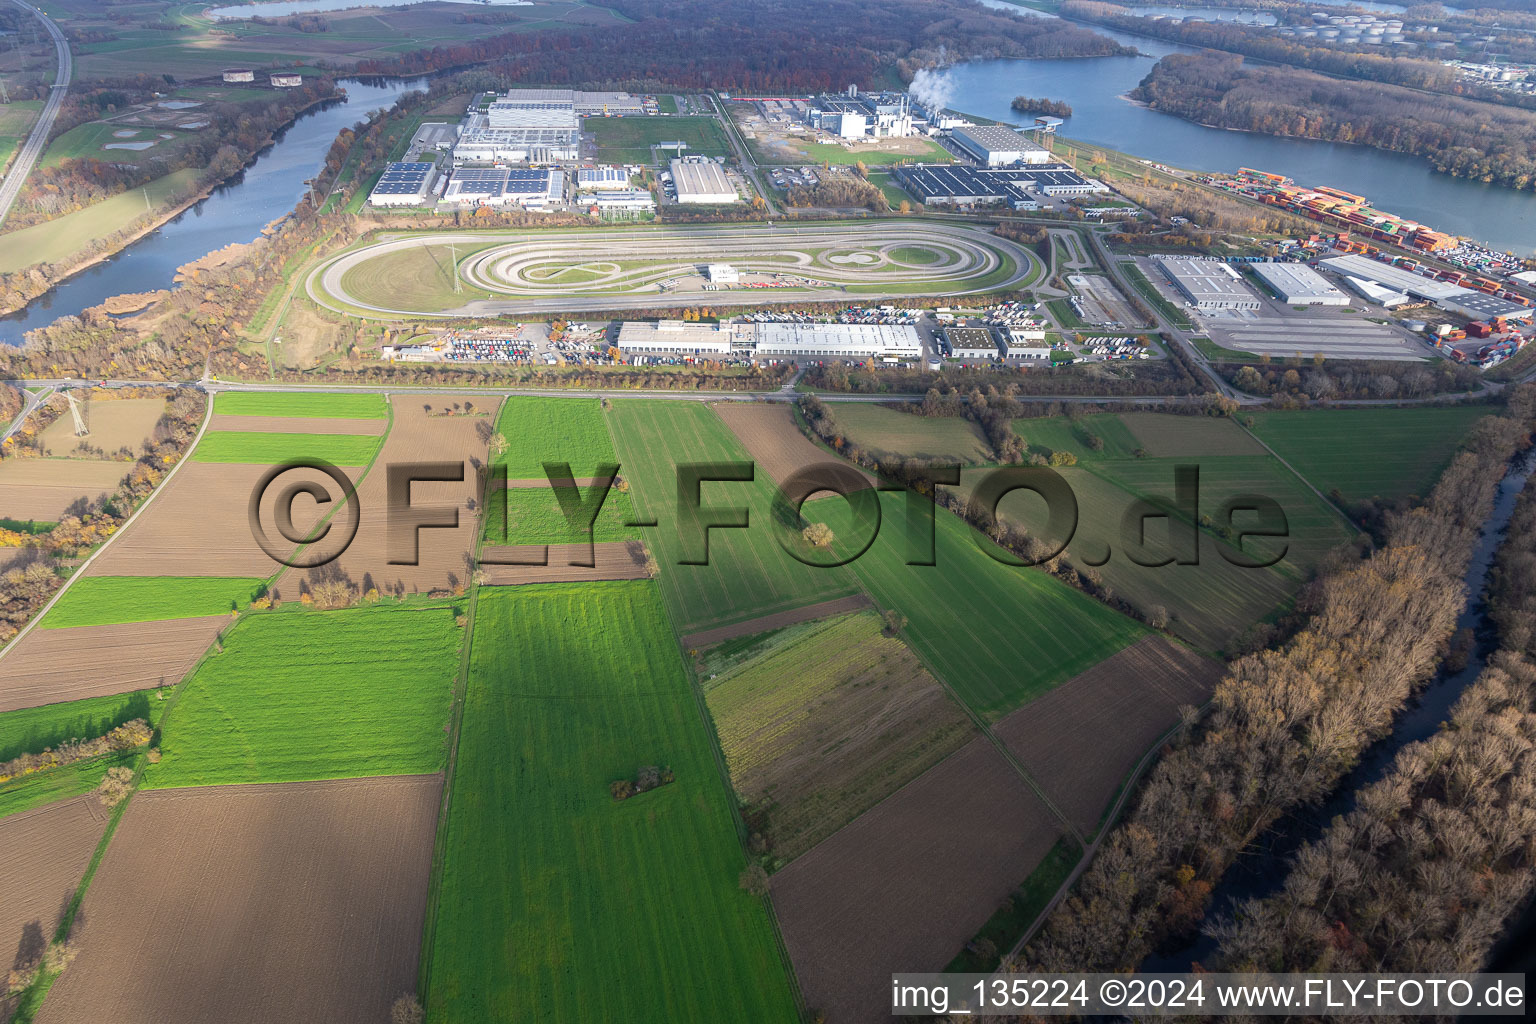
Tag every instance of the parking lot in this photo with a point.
(1268, 332)
(1101, 304)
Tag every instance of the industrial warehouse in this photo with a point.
(1207, 283)
(1299, 285)
(1021, 188)
(404, 184)
(1452, 297)
(532, 188)
(664, 338)
(701, 180)
(998, 146)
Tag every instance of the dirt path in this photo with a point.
(821, 610)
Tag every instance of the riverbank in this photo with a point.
(152, 222)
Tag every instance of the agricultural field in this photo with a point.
(540, 430)
(1047, 434)
(531, 920)
(33, 730)
(58, 240)
(271, 449)
(748, 574)
(299, 695)
(115, 425)
(532, 515)
(628, 140)
(828, 719)
(878, 429)
(1079, 741)
(107, 600)
(1165, 435)
(302, 901)
(48, 666)
(45, 852)
(910, 881)
(768, 432)
(1369, 453)
(999, 635)
(16, 119)
(298, 404)
(47, 489)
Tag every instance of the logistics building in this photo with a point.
(495, 186)
(585, 104)
(404, 184)
(970, 343)
(1208, 284)
(998, 146)
(529, 145)
(702, 181)
(838, 341)
(1020, 187)
(1452, 297)
(598, 179)
(678, 338)
(1299, 285)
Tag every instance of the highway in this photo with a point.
(38, 140)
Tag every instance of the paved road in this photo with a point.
(38, 140)
(33, 401)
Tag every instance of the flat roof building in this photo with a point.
(722, 273)
(971, 343)
(531, 145)
(1299, 285)
(495, 186)
(597, 179)
(1453, 297)
(679, 338)
(838, 341)
(628, 199)
(1208, 284)
(957, 185)
(404, 184)
(702, 181)
(998, 146)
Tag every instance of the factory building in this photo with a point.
(629, 199)
(997, 146)
(1027, 343)
(528, 145)
(678, 338)
(497, 186)
(838, 341)
(584, 104)
(404, 184)
(602, 179)
(702, 181)
(970, 343)
(1208, 284)
(1021, 187)
(1453, 297)
(1299, 285)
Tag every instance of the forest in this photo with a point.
(1288, 722)
(1460, 137)
(800, 45)
(1041, 105)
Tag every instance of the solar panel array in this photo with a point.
(939, 181)
(404, 178)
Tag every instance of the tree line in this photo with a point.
(1041, 105)
(1286, 723)
(1436, 858)
(1461, 137)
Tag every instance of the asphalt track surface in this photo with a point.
(38, 140)
(824, 261)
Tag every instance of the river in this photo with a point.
(1261, 872)
(1096, 86)
(235, 212)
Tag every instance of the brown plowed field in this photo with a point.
(52, 665)
(113, 424)
(45, 852)
(1080, 740)
(618, 560)
(261, 904)
(198, 524)
(907, 884)
(299, 425)
(767, 430)
(43, 489)
(820, 610)
(443, 555)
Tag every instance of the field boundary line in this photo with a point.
(455, 724)
(1348, 519)
(80, 570)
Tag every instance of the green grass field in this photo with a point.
(1047, 434)
(86, 141)
(260, 448)
(628, 140)
(748, 574)
(418, 278)
(300, 695)
(1365, 453)
(16, 119)
(318, 405)
(104, 600)
(900, 433)
(58, 240)
(31, 730)
(533, 516)
(999, 635)
(558, 903)
(1169, 436)
(540, 430)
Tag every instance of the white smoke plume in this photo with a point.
(932, 90)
